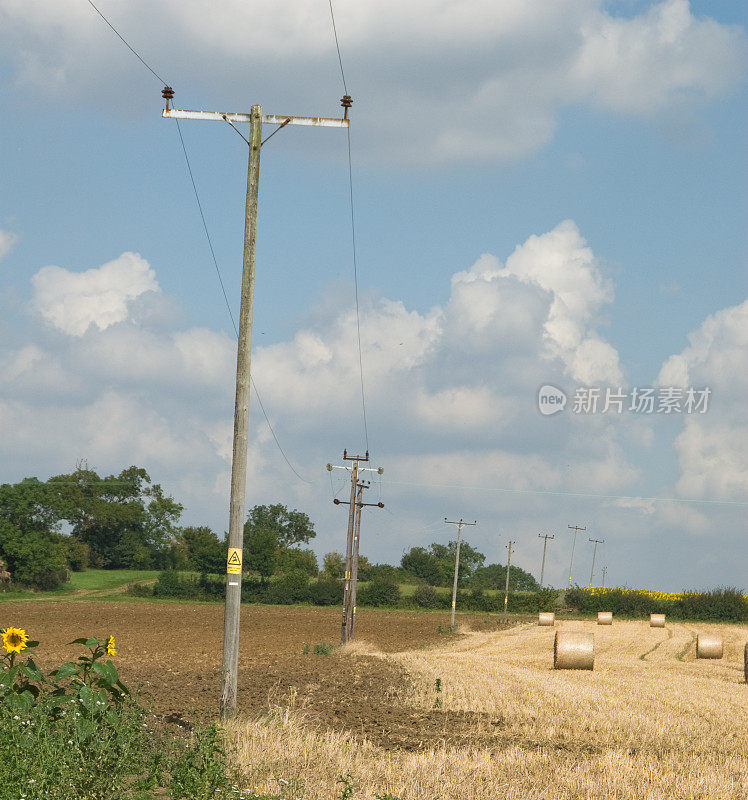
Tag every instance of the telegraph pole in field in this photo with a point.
(460, 525)
(506, 588)
(545, 537)
(256, 119)
(594, 553)
(355, 505)
(605, 569)
(576, 529)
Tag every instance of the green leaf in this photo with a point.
(82, 640)
(20, 703)
(66, 670)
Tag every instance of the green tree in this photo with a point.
(293, 558)
(365, 568)
(493, 576)
(34, 558)
(31, 544)
(470, 560)
(290, 527)
(260, 551)
(333, 565)
(125, 520)
(205, 551)
(420, 563)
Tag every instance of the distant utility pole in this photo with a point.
(605, 569)
(355, 505)
(546, 537)
(506, 588)
(241, 408)
(594, 553)
(576, 529)
(460, 525)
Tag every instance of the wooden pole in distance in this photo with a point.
(241, 428)
(459, 524)
(545, 537)
(506, 588)
(594, 553)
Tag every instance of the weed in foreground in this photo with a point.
(77, 732)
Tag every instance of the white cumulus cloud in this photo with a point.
(713, 447)
(479, 79)
(73, 301)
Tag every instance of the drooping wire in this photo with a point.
(353, 236)
(205, 226)
(549, 493)
(127, 45)
(337, 45)
(228, 305)
(207, 234)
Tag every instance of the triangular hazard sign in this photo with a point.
(234, 558)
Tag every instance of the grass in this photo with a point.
(658, 728)
(104, 584)
(100, 580)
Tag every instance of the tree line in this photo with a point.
(126, 521)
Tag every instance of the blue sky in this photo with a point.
(474, 129)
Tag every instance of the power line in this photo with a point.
(353, 232)
(337, 45)
(207, 233)
(205, 226)
(569, 494)
(127, 45)
(228, 305)
(355, 283)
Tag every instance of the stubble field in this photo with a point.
(650, 722)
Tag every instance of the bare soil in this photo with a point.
(173, 653)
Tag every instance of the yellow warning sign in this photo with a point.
(234, 562)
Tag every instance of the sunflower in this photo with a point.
(111, 650)
(14, 640)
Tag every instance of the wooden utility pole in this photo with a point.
(546, 537)
(255, 118)
(506, 588)
(355, 505)
(460, 525)
(354, 560)
(605, 569)
(594, 553)
(576, 530)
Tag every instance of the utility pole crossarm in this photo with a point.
(267, 119)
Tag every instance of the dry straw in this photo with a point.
(708, 646)
(604, 617)
(656, 620)
(546, 618)
(573, 650)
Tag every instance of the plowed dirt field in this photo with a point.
(173, 652)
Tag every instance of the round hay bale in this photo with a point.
(604, 617)
(573, 650)
(546, 618)
(656, 620)
(708, 646)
